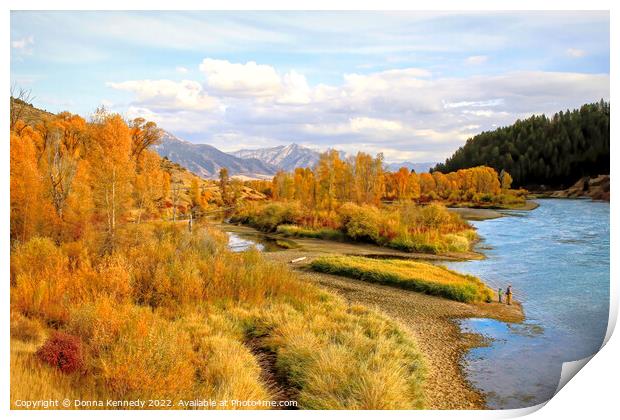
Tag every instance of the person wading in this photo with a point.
(499, 295)
(509, 295)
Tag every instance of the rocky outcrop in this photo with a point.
(597, 188)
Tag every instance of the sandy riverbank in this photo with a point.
(477, 214)
(431, 320)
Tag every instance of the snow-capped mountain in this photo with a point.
(205, 160)
(286, 158)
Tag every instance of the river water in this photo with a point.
(240, 242)
(557, 259)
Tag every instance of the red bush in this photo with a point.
(63, 351)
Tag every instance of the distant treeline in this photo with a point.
(553, 151)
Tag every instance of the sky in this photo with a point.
(411, 85)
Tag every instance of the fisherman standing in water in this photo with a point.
(499, 294)
(509, 294)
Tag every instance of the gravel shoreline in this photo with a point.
(431, 320)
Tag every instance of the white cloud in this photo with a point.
(258, 81)
(487, 113)
(364, 124)
(181, 69)
(471, 127)
(575, 52)
(167, 94)
(386, 80)
(404, 111)
(23, 45)
(435, 136)
(179, 121)
(234, 79)
(491, 102)
(476, 60)
(295, 89)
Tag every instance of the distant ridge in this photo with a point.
(206, 161)
(285, 158)
(418, 167)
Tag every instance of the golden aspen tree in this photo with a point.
(27, 202)
(427, 183)
(401, 184)
(326, 179)
(505, 180)
(149, 192)
(112, 172)
(144, 134)
(442, 184)
(414, 185)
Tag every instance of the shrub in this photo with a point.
(404, 226)
(414, 243)
(360, 223)
(268, 217)
(77, 254)
(437, 217)
(98, 323)
(42, 284)
(33, 380)
(63, 351)
(149, 357)
(112, 278)
(456, 243)
(170, 268)
(38, 257)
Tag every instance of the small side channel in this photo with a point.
(239, 243)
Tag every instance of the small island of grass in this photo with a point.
(417, 276)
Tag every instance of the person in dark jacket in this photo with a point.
(509, 295)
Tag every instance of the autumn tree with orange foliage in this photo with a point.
(70, 177)
(361, 179)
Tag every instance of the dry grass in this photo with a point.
(343, 357)
(171, 314)
(32, 380)
(416, 276)
(24, 329)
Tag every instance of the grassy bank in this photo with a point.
(417, 276)
(164, 317)
(303, 232)
(406, 227)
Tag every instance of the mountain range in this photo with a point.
(286, 158)
(206, 161)
(417, 167)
